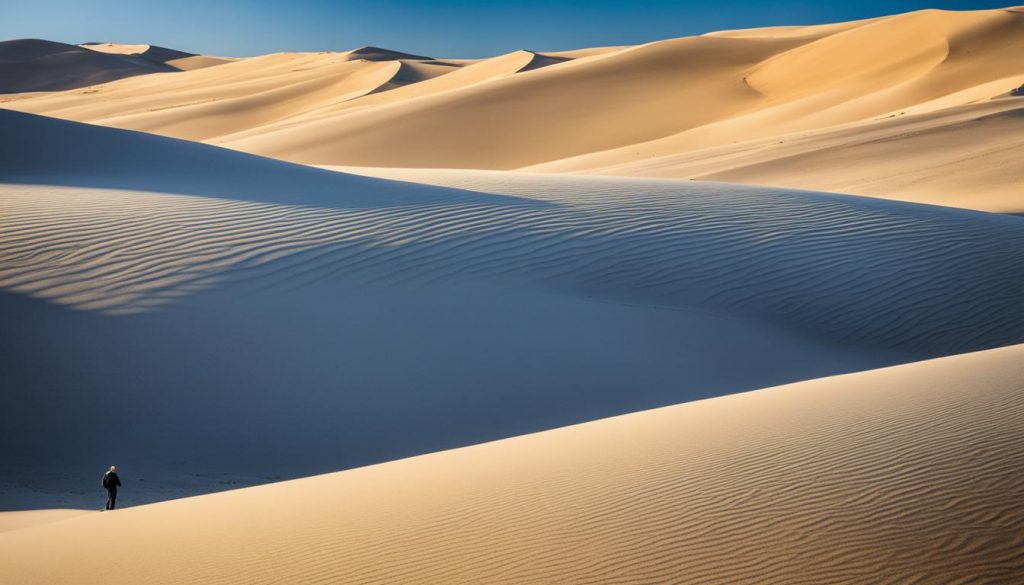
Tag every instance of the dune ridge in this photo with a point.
(906, 474)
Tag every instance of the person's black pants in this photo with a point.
(111, 498)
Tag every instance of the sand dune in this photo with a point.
(682, 96)
(964, 156)
(513, 302)
(903, 475)
(829, 108)
(757, 106)
(207, 103)
(257, 94)
(594, 103)
(31, 65)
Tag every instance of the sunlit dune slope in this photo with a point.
(464, 76)
(678, 95)
(256, 94)
(608, 100)
(338, 318)
(903, 475)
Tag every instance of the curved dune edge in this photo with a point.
(906, 474)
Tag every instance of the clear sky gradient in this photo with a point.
(439, 28)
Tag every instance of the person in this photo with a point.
(111, 482)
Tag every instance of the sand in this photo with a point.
(528, 306)
(902, 475)
(880, 107)
(171, 281)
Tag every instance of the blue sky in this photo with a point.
(440, 28)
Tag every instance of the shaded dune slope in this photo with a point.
(903, 475)
(792, 257)
(513, 303)
(28, 65)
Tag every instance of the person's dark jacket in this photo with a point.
(111, 481)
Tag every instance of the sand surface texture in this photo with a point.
(904, 475)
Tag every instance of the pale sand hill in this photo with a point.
(904, 475)
(834, 129)
(661, 109)
(683, 94)
(964, 156)
(339, 318)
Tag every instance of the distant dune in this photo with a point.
(883, 107)
(903, 475)
(33, 65)
(341, 319)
